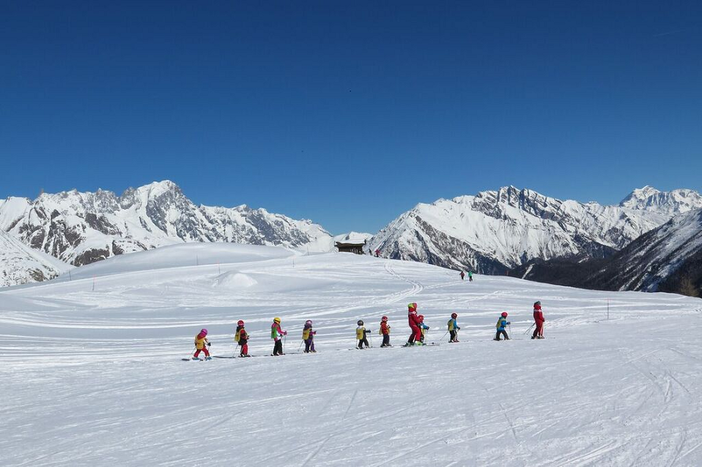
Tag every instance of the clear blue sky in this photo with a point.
(350, 113)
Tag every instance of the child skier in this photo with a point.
(201, 344)
(361, 335)
(470, 276)
(453, 328)
(539, 322)
(242, 338)
(308, 337)
(277, 335)
(385, 332)
(501, 323)
(463, 275)
(422, 329)
(413, 324)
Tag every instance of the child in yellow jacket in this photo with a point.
(201, 344)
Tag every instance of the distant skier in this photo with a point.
(501, 324)
(385, 332)
(242, 338)
(377, 253)
(470, 276)
(201, 344)
(463, 275)
(422, 329)
(538, 321)
(453, 328)
(413, 324)
(362, 334)
(277, 335)
(308, 336)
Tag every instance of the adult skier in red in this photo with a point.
(413, 322)
(538, 321)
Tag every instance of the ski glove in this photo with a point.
(209, 344)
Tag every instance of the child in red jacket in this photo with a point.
(538, 321)
(385, 332)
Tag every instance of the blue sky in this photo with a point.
(350, 113)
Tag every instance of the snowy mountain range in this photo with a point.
(81, 228)
(496, 231)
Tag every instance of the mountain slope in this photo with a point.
(81, 228)
(668, 258)
(93, 376)
(20, 264)
(496, 231)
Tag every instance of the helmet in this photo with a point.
(240, 322)
(412, 306)
(420, 317)
(309, 321)
(276, 320)
(360, 322)
(384, 318)
(537, 303)
(203, 331)
(454, 315)
(504, 314)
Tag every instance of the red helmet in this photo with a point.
(384, 318)
(454, 315)
(203, 332)
(420, 317)
(504, 314)
(240, 322)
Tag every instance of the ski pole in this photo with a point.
(529, 328)
(510, 328)
(442, 337)
(300, 346)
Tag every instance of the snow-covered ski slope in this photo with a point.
(93, 375)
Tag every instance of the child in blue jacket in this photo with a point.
(453, 328)
(501, 324)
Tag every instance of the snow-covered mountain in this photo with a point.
(81, 228)
(668, 258)
(20, 264)
(495, 231)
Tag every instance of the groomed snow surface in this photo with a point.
(93, 375)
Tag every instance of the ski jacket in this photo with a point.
(242, 336)
(538, 314)
(360, 332)
(452, 324)
(412, 318)
(200, 341)
(422, 326)
(237, 333)
(307, 332)
(501, 323)
(276, 332)
(384, 328)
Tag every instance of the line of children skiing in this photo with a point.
(416, 323)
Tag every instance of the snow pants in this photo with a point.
(204, 349)
(361, 342)
(309, 345)
(503, 332)
(278, 347)
(386, 340)
(416, 335)
(244, 347)
(539, 330)
(453, 336)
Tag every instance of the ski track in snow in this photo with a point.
(95, 377)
